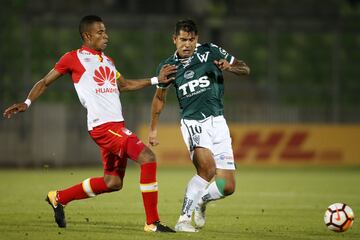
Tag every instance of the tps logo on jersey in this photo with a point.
(193, 86)
(104, 74)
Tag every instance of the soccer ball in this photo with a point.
(339, 217)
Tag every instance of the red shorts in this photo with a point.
(117, 144)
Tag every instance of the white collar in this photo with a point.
(186, 61)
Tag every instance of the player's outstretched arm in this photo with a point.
(132, 85)
(157, 106)
(237, 67)
(34, 93)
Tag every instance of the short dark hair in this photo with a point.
(186, 25)
(86, 21)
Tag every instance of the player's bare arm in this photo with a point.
(157, 106)
(237, 67)
(132, 85)
(34, 93)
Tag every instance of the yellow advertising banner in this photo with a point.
(273, 144)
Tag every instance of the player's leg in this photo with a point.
(140, 153)
(224, 183)
(114, 170)
(222, 186)
(87, 188)
(205, 167)
(148, 184)
(110, 143)
(198, 142)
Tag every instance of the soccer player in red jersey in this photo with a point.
(97, 83)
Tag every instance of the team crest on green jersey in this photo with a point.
(189, 74)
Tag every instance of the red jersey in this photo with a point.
(94, 76)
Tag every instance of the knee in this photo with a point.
(207, 172)
(210, 173)
(114, 184)
(151, 156)
(146, 156)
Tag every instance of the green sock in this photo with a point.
(220, 183)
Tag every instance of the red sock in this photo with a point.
(149, 191)
(88, 188)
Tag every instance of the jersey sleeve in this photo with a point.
(162, 85)
(65, 63)
(221, 53)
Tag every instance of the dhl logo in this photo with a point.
(272, 144)
(279, 145)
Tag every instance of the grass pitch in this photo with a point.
(269, 203)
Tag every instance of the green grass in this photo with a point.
(270, 203)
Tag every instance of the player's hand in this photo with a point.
(167, 73)
(152, 138)
(14, 109)
(223, 65)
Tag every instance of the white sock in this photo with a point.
(194, 191)
(211, 193)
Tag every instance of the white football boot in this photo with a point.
(199, 215)
(185, 226)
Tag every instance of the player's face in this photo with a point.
(97, 37)
(185, 43)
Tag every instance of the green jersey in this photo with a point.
(199, 83)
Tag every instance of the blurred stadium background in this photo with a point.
(301, 102)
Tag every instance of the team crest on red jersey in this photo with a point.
(104, 74)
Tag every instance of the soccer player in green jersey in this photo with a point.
(199, 86)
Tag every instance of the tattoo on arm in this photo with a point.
(239, 68)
